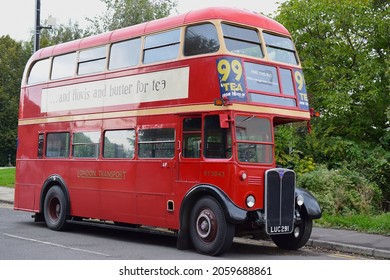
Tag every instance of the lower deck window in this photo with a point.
(57, 145)
(156, 143)
(218, 141)
(119, 144)
(86, 144)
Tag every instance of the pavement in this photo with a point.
(346, 241)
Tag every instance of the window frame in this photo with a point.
(82, 144)
(93, 60)
(160, 46)
(291, 51)
(46, 68)
(186, 39)
(65, 145)
(255, 145)
(213, 150)
(141, 142)
(130, 53)
(132, 152)
(73, 67)
(192, 132)
(242, 40)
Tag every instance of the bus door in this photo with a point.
(190, 150)
(156, 167)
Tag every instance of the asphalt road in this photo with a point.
(22, 239)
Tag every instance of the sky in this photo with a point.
(17, 17)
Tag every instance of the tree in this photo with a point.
(123, 13)
(13, 58)
(61, 34)
(344, 48)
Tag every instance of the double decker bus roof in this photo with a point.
(222, 13)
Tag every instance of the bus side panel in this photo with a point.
(24, 197)
(103, 190)
(154, 182)
(28, 178)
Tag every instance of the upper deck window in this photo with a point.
(39, 72)
(280, 49)
(162, 46)
(125, 54)
(241, 40)
(201, 39)
(92, 60)
(63, 66)
(287, 82)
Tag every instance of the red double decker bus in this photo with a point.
(167, 124)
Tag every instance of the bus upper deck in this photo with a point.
(149, 65)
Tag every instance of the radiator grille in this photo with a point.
(279, 200)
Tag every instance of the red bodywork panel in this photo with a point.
(136, 191)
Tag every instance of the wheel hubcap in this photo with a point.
(54, 209)
(296, 232)
(206, 225)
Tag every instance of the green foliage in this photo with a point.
(61, 34)
(341, 191)
(344, 48)
(379, 224)
(123, 13)
(288, 152)
(371, 161)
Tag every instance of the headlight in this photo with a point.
(300, 200)
(250, 201)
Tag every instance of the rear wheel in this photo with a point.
(298, 238)
(55, 209)
(210, 232)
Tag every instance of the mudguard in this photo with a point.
(234, 214)
(52, 180)
(311, 204)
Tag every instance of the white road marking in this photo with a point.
(54, 244)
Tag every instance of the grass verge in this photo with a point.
(7, 177)
(379, 224)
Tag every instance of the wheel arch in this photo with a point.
(54, 180)
(311, 205)
(234, 214)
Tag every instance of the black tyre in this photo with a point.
(210, 232)
(55, 209)
(298, 238)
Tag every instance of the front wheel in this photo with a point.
(298, 238)
(55, 209)
(210, 232)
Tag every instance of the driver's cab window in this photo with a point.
(254, 139)
(218, 141)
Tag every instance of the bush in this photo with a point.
(342, 191)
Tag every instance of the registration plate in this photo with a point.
(279, 229)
